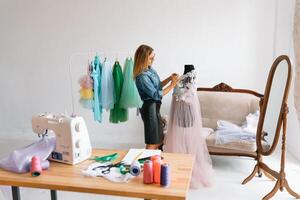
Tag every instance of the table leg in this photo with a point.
(15, 193)
(53, 195)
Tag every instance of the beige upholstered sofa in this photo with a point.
(225, 103)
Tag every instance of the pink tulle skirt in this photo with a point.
(185, 136)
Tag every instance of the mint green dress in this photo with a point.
(130, 97)
(118, 114)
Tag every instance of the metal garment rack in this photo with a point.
(89, 55)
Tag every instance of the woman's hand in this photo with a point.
(174, 75)
(169, 79)
(174, 79)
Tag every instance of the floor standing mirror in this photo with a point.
(273, 121)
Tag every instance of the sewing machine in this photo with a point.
(72, 140)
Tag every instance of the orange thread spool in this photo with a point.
(156, 170)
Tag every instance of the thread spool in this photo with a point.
(156, 170)
(156, 157)
(35, 167)
(148, 172)
(165, 175)
(135, 168)
(45, 164)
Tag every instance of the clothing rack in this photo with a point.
(90, 56)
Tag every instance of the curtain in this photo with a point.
(297, 56)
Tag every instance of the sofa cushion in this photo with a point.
(233, 107)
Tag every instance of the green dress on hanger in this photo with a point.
(118, 114)
(130, 97)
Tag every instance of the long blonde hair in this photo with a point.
(141, 58)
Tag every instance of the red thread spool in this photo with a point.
(35, 167)
(156, 170)
(148, 172)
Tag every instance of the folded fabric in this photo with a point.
(228, 132)
(251, 123)
(19, 160)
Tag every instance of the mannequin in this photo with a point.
(185, 127)
(188, 68)
(186, 119)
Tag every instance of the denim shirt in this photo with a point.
(149, 85)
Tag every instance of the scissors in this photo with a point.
(105, 169)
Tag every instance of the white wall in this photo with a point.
(230, 41)
(284, 45)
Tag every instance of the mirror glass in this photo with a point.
(276, 97)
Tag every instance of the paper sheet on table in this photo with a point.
(134, 154)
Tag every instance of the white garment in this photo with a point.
(114, 175)
(228, 132)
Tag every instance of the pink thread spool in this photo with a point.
(35, 167)
(148, 172)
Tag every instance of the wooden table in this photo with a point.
(69, 178)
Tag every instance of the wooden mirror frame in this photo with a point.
(264, 107)
(282, 120)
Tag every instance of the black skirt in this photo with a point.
(152, 122)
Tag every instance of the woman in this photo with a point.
(151, 91)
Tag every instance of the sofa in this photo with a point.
(223, 102)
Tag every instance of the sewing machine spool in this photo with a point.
(135, 168)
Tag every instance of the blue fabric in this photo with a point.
(96, 75)
(149, 85)
(107, 86)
